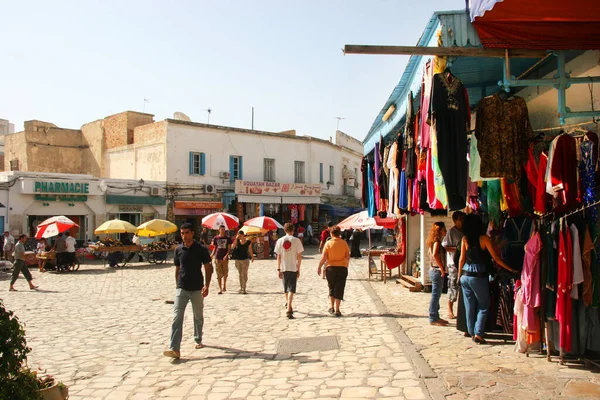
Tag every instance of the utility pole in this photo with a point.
(252, 118)
(208, 110)
(145, 101)
(338, 122)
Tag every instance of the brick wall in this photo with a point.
(119, 128)
(151, 133)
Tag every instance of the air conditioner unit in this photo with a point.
(210, 189)
(154, 191)
(224, 175)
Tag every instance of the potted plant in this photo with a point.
(17, 380)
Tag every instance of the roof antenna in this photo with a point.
(208, 110)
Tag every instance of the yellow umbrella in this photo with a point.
(253, 231)
(115, 226)
(156, 227)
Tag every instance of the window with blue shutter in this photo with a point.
(235, 168)
(197, 163)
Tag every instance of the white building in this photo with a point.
(298, 178)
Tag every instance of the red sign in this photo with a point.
(192, 211)
(213, 205)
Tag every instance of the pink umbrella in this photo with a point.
(214, 221)
(362, 220)
(53, 226)
(267, 223)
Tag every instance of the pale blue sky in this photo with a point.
(72, 62)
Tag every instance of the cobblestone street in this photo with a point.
(102, 332)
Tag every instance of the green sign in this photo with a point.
(61, 187)
(47, 197)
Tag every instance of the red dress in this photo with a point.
(565, 283)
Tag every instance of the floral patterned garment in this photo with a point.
(503, 131)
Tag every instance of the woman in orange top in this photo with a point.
(336, 255)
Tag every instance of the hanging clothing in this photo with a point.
(563, 176)
(541, 198)
(437, 179)
(475, 162)
(516, 233)
(376, 170)
(451, 116)
(493, 193)
(550, 239)
(503, 131)
(394, 178)
(530, 282)
(563, 290)
(577, 262)
(410, 159)
(586, 258)
(587, 170)
(371, 200)
(424, 128)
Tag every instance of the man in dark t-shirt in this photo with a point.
(191, 287)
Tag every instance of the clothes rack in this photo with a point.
(556, 128)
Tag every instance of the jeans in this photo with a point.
(181, 299)
(437, 284)
(477, 302)
(17, 268)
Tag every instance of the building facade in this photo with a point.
(195, 168)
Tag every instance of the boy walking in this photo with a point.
(20, 265)
(289, 257)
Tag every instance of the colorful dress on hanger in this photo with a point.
(563, 176)
(371, 200)
(376, 168)
(424, 128)
(451, 116)
(503, 131)
(563, 289)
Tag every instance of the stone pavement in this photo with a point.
(464, 370)
(102, 332)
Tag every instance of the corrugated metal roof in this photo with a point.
(480, 75)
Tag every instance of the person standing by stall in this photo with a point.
(451, 242)
(241, 252)
(60, 247)
(437, 271)
(221, 244)
(41, 249)
(70, 248)
(20, 265)
(336, 257)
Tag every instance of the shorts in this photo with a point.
(289, 281)
(222, 268)
(336, 280)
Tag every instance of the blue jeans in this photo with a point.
(181, 299)
(476, 293)
(437, 284)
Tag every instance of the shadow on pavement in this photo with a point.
(88, 271)
(232, 354)
(148, 266)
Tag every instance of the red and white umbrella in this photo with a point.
(214, 221)
(53, 226)
(267, 223)
(362, 220)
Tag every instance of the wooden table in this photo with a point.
(383, 271)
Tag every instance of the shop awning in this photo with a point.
(537, 24)
(336, 211)
(140, 200)
(244, 198)
(301, 200)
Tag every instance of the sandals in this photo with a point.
(479, 340)
(331, 311)
(12, 290)
(451, 316)
(198, 346)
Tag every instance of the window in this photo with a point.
(298, 171)
(356, 177)
(331, 175)
(320, 172)
(235, 168)
(197, 163)
(269, 170)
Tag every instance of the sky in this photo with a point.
(73, 62)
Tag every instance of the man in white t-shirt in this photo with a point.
(70, 243)
(289, 257)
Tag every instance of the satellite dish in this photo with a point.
(103, 186)
(181, 116)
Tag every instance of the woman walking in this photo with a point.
(336, 256)
(241, 252)
(437, 271)
(355, 241)
(474, 275)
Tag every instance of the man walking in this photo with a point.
(450, 242)
(60, 247)
(220, 253)
(289, 257)
(20, 265)
(9, 246)
(191, 287)
(70, 241)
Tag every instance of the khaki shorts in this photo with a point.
(222, 268)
